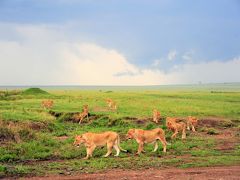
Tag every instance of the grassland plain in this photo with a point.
(35, 141)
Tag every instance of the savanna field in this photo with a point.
(35, 141)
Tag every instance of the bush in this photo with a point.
(212, 131)
(227, 123)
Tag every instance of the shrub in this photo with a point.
(227, 123)
(212, 131)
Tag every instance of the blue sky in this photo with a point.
(164, 37)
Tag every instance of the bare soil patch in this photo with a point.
(138, 120)
(229, 172)
(226, 139)
(209, 122)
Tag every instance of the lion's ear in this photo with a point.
(77, 136)
(132, 131)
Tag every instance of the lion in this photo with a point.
(156, 116)
(175, 126)
(111, 104)
(80, 116)
(47, 104)
(147, 136)
(191, 121)
(93, 140)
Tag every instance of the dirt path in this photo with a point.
(225, 172)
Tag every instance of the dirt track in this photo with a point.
(226, 172)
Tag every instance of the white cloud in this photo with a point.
(157, 62)
(210, 72)
(41, 55)
(172, 55)
(188, 55)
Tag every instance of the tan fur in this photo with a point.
(147, 136)
(111, 104)
(192, 121)
(47, 104)
(156, 116)
(80, 116)
(176, 127)
(93, 140)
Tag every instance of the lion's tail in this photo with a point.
(118, 144)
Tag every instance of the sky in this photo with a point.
(119, 42)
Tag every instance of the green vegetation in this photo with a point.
(35, 141)
(34, 91)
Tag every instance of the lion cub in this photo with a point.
(176, 127)
(147, 136)
(191, 121)
(80, 116)
(93, 140)
(47, 104)
(111, 104)
(156, 116)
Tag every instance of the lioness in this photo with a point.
(192, 121)
(111, 104)
(156, 116)
(80, 116)
(92, 140)
(176, 127)
(147, 136)
(47, 104)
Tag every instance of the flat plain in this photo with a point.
(39, 142)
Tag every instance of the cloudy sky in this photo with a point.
(119, 42)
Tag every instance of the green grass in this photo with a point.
(34, 91)
(41, 144)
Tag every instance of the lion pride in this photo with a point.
(93, 140)
(147, 136)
